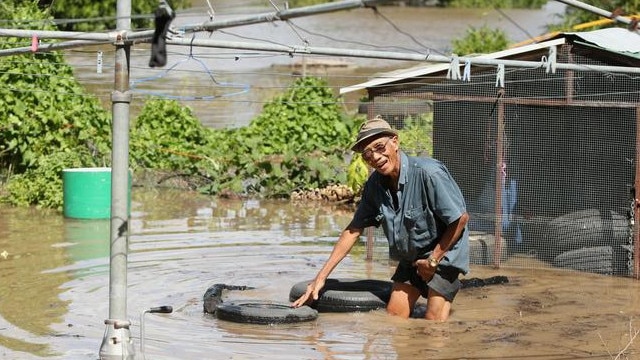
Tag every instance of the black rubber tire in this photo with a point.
(584, 228)
(262, 312)
(596, 259)
(347, 295)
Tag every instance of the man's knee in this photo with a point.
(438, 308)
(403, 298)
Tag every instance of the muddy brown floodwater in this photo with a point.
(54, 296)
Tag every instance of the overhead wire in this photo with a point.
(251, 38)
(106, 96)
(237, 55)
(238, 73)
(290, 24)
(243, 88)
(344, 41)
(259, 86)
(529, 36)
(397, 28)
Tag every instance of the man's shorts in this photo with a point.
(445, 281)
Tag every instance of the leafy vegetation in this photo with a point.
(42, 184)
(46, 118)
(297, 142)
(89, 15)
(416, 137)
(357, 174)
(480, 40)
(166, 135)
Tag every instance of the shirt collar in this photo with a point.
(404, 168)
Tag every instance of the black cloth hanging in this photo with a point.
(163, 17)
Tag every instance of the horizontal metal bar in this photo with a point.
(286, 14)
(50, 34)
(50, 47)
(146, 35)
(596, 10)
(389, 55)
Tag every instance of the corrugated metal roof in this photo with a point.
(613, 39)
(617, 40)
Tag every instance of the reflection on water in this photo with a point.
(86, 239)
(54, 297)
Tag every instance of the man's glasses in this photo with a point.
(379, 148)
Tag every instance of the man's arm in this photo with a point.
(347, 239)
(450, 236)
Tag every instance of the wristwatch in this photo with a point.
(433, 262)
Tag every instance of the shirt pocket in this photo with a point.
(418, 226)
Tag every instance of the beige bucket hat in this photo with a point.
(370, 129)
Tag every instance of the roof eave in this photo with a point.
(398, 76)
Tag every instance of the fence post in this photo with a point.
(636, 212)
(499, 179)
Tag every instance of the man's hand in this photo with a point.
(312, 293)
(425, 270)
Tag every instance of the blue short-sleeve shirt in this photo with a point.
(429, 200)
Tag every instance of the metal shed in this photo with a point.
(545, 153)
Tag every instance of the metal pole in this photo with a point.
(311, 50)
(636, 212)
(596, 10)
(499, 180)
(391, 55)
(55, 34)
(146, 35)
(286, 14)
(117, 342)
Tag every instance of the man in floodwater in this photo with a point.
(423, 215)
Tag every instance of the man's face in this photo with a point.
(382, 155)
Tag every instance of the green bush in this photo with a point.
(45, 116)
(41, 185)
(297, 142)
(90, 15)
(167, 136)
(357, 174)
(480, 40)
(416, 137)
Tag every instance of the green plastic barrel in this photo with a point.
(87, 193)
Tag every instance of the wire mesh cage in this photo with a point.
(545, 160)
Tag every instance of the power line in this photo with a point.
(402, 31)
(514, 23)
